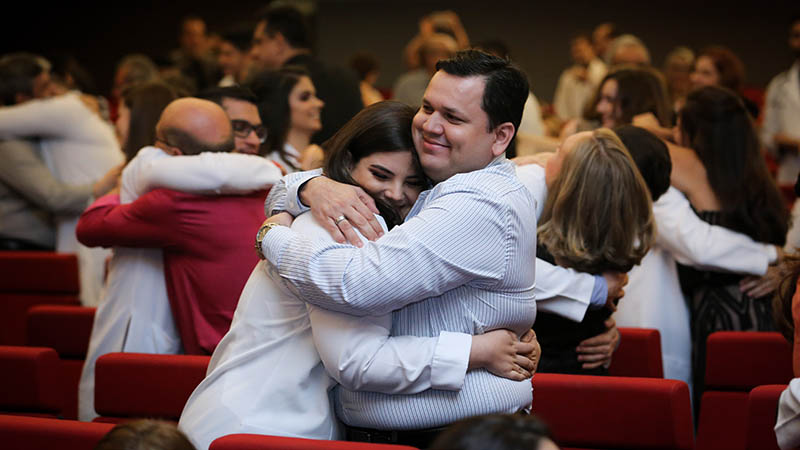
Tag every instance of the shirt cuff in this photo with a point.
(293, 204)
(772, 253)
(599, 293)
(450, 360)
(274, 242)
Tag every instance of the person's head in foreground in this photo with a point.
(598, 214)
(470, 112)
(374, 150)
(145, 435)
(496, 432)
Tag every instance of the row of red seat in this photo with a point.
(740, 362)
(34, 433)
(583, 412)
(29, 279)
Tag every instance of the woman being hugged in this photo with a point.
(597, 217)
(267, 374)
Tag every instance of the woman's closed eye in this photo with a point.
(381, 173)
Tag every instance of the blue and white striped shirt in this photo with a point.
(463, 262)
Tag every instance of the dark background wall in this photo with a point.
(538, 33)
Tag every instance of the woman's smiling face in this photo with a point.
(391, 177)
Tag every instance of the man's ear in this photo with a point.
(168, 149)
(503, 134)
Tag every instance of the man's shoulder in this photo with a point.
(780, 80)
(495, 180)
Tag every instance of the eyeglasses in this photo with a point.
(242, 129)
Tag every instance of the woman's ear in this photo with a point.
(503, 134)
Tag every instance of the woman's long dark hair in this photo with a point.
(381, 127)
(715, 123)
(145, 101)
(639, 90)
(273, 89)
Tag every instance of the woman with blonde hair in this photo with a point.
(597, 217)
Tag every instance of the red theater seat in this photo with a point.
(33, 278)
(736, 362)
(594, 412)
(137, 385)
(638, 355)
(32, 433)
(66, 329)
(31, 383)
(762, 412)
(260, 442)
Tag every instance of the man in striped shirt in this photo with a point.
(461, 263)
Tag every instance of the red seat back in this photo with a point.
(33, 278)
(638, 355)
(736, 362)
(741, 360)
(137, 385)
(31, 382)
(33, 433)
(66, 329)
(762, 412)
(585, 411)
(261, 442)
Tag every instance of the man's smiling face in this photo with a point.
(451, 130)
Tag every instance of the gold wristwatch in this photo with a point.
(260, 237)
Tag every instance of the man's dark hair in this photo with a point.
(493, 431)
(239, 38)
(190, 145)
(506, 88)
(650, 155)
(17, 72)
(217, 94)
(290, 23)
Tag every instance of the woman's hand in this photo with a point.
(503, 354)
(616, 282)
(757, 287)
(331, 201)
(597, 351)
